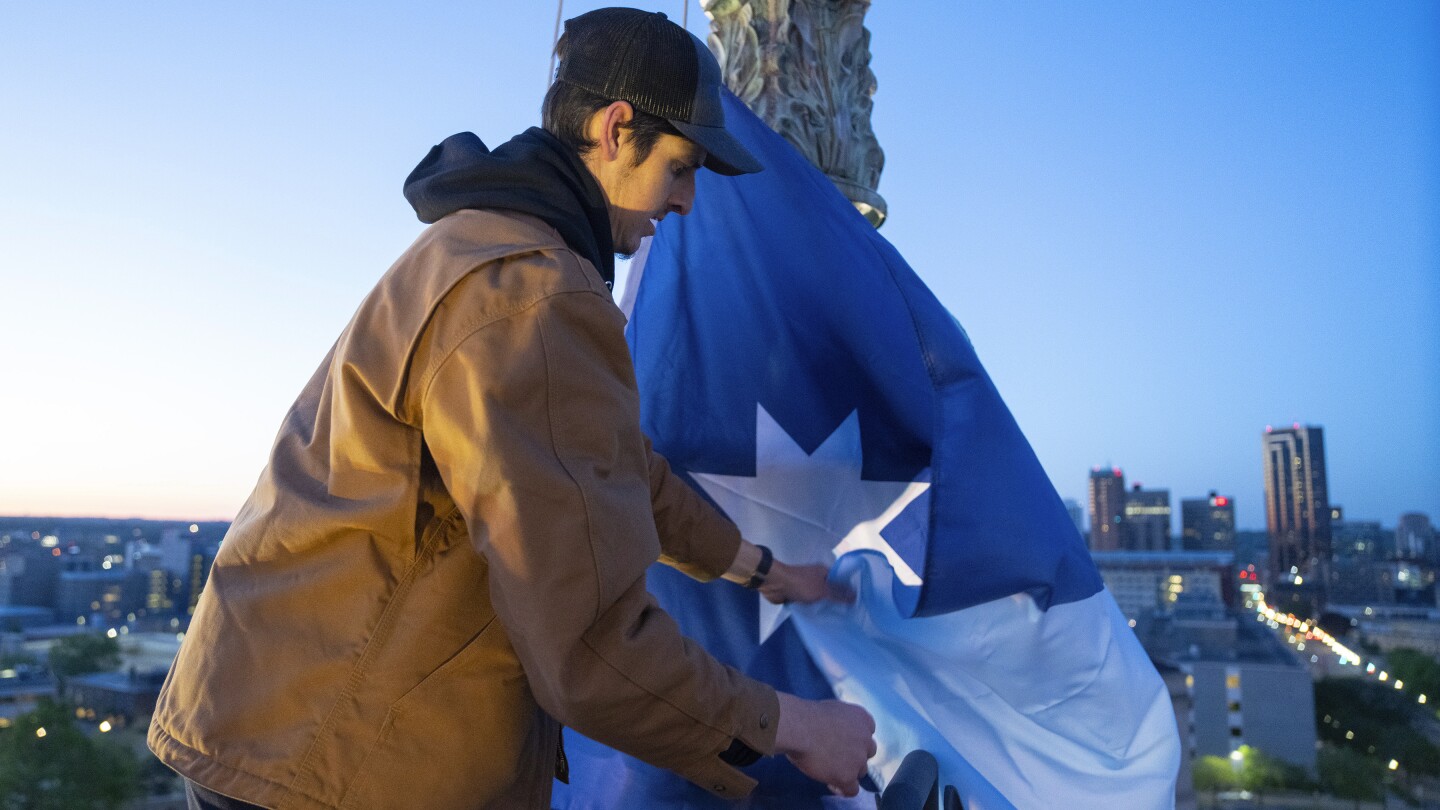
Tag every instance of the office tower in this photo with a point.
(1297, 504)
(1107, 508)
(201, 559)
(94, 595)
(150, 582)
(1208, 524)
(1361, 539)
(1160, 584)
(174, 550)
(1414, 536)
(1147, 520)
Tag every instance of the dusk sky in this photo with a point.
(1164, 226)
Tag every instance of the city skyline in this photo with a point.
(1163, 228)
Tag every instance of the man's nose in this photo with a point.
(682, 199)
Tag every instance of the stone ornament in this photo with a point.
(803, 66)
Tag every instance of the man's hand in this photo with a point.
(830, 741)
(801, 583)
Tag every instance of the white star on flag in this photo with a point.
(811, 507)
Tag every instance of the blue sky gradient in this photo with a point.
(1163, 226)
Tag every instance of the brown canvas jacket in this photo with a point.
(447, 550)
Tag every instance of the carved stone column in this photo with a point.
(804, 67)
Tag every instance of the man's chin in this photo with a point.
(627, 251)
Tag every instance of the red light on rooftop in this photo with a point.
(1116, 471)
(1269, 429)
(1222, 501)
(1296, 426)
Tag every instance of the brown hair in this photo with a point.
(567, 109)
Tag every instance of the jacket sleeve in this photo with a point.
(533, 422)
(694, 537)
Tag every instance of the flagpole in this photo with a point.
(803, 61)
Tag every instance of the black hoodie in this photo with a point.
(532, 173)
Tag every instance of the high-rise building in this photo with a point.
(1146, 526)
(202, 557)
(1414, 537)
(1107, 508)
(1362, 539)
(1161, 583)
(1208, 524)
(1297, 505)
(174, 548)
(96, 596)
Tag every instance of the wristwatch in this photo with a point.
(762, 569)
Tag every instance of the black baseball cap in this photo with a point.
(660, 68)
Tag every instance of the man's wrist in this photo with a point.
(762, 569)
(747, 559)
(790, 726)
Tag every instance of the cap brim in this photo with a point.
(724, 154)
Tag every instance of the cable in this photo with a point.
(554, 40)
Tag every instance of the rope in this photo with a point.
(555, 40)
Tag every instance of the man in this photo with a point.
(444, 559)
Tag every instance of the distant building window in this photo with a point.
(1232, 681)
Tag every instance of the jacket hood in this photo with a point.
(532, 173)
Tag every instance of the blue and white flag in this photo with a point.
(802, 376)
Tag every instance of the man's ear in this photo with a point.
(606, 128)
